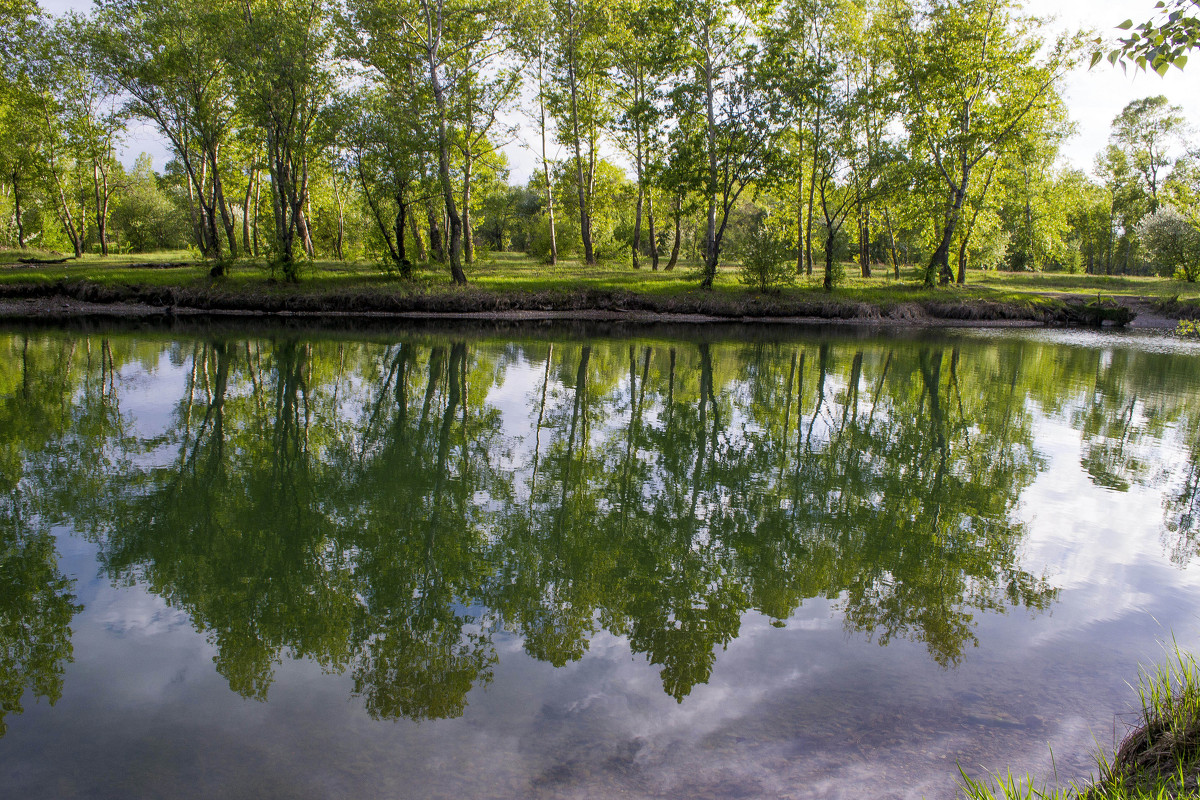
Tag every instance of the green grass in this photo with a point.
(505, 273)
(1159, 758)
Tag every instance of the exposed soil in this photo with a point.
(76, 299)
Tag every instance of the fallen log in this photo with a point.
(32, 260)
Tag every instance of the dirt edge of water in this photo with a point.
(74, 299)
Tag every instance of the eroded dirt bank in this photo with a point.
(65, 300)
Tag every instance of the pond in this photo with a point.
(561, 562)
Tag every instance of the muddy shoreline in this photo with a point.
(82, 300)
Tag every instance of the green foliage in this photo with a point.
(767, 259)
(1172, 242)
(822, 111)
(144, 217)
(1158, 44)
(1188, 328)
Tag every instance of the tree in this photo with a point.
(1126, 205)
(579, 66)
(641, 67)
(1145, 130)
(797, 50)
(385, 143)
(971, 72)
(1025, 182)
(840, 170)
(19, 157)
(60, 107)
(396, 36)
(282, 57)
(485, 88)
(18, 19)
(144, 218)
(532, 41)
(730, 111)
(764, 258)
(94, 116)
(169, 58)
(1173, 241)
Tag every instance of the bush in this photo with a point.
(766, 259)
(566, 238)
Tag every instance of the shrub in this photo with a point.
(766, 259)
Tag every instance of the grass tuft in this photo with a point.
(1159, 759)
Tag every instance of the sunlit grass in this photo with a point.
(517, 273)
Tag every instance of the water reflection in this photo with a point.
(36, 600)
(390, 510)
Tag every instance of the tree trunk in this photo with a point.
(247, 244)
(1108, 250)
(799, 216)
(637, 228)
(674, 259)
(887, 221)
(219, 202)
(302, 217)
(305, 237)
(341, 220)
(828, 282)
(641, 186)
(456, 271)
(468, 243)
(939, 264)
(195, 215)
(422, 256)
(257, 197)
(435, 233)
(208, 217)
(18, 216)
(284, 213)
(100, 186)
(546, 165)
(585, 217)
(73, 231)
(401, 256)
(710, 233)
(650, 230)
(812, 181)
(864, 243)
(376, 214)
(962, 260)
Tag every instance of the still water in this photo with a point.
(546, 564)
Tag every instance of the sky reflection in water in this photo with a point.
(479, 567)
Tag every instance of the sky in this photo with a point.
(1093, 96)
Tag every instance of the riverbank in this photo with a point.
(510, 288)
(87, 298)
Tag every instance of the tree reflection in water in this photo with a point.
(378, 509)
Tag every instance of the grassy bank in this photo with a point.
(514, 283)
(1158, 759)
